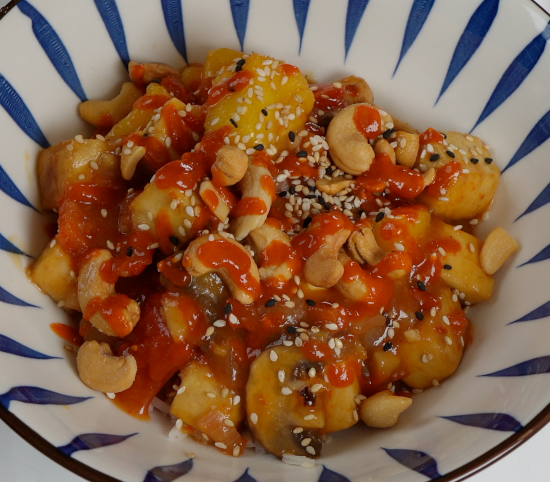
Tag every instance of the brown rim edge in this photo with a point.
(82, 470)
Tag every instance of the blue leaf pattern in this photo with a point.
(516, 73)
(7, 345)
(54, 48)
(543, 255)
(38, 396)
(173, 17)
(417, 17)
(6, 297)
(541, 200)
(90, 441)
(501, 422)
(470, 40)
(354, 14)
(535, 366)
(538, 135)
(415, 460)
(301, 8)
(113, 23)
(6, 245)
(168, 473)
(9, 187)
(542, 311)
(328, 475)
(239, 11)
(20, 113)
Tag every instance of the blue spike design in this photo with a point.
(113, 23)
(9, 187)
(6, 297)
(6, 245)
(54, 48)
(417, 17)
(501, 422)
(173, 17)
(20, 113)
(535, 366)
(38, 396)
(542, 311)
(354, 14)
(301, 8)
(246, 477)
(516, 73)
(470, 40)
(239, 11)
(541, 200)
(543, 255)
(328, 475)
(415, 460)
(7, 345)
(168, 473)
(90, 441)
(538, 135)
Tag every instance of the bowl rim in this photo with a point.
(93, 475)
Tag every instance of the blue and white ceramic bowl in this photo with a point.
(474, 65)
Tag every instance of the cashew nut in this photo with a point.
(96, 297)
(332, 186)
(100, 370)
(363, 248)
(230, 166)
(350, 150)
(128, 162)
(149, 71)
(407, 148)
(382, 410)
(382, 146)
(257, 188)
(496, 249)
(214, 200)
(322, 268)
(356, 90)
(229, 259)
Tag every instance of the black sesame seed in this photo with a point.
(421, 286)
(155, 81)
(388, 346)
(311, 196)
(174, 240)
(227, 308)
(379, 217)
(291, 329)
(328, 171)
(259, 147)
(270, 303)
(283, 194)
(264, 112)
(129, 251)
(301, 154)
(292, 190)
(474, 160)
(233, 122)
(239, 65)
(310, 303)
(444, 135)
(145, 134)
(447, 266)
(451, 154)
(488, 160)
(307, 221)
(434, 157)
(291, 136)
(419, 316)
(386, 134)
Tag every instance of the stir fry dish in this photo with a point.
(269, 258)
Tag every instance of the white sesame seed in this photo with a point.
(143, 227)
(94, 165)
(273, 356)
(220, 445)
(448, 340)
(425, 359)
(315, 388)
(236, 400)
(309, 417)
(110, 395)
(312, 372)
(181, 390)
(305, 442)
(189, 211)
(446, 320)
(473, 222)
(254, 418)
(444, 199)
(458, 227)
(233, 319)
(219, 323)
(472, 248)
(441, 251)
(399, 246)
(286, 391)
(331, 326)
(433, 311)
(435, 383)
(210, 331)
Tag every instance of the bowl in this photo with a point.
(451, 65)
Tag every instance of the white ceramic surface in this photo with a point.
(411, 93)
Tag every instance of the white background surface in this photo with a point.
(20, 462)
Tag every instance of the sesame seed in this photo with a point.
(444, 199)
(189, 211)
(273, 356)
(433, 312)
(458, 227)
(447, 266)
(94, 165)
(210, 331)
(425, 359)
(286, 391)
(448, 340)
(472, 248)
(419, 315)
(220, 445)
(110, 245)
(305, 442)
(111, 396)
(446, 320)
(435, 383)
(168, 141)
(143, 227)
(474, 222)
(254, 418)
(441, 251)
(331, 326)
(233, 319)
(236, 451)
(399, 246)
(236, 399)
(309, 417)
(181, 390)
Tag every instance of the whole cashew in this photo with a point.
(230, 260)
(332, 186)
(230, 166)
(149, 71)
(407, 148)
(382, 410)
(94, 294)
(100, 370)
(350, 150)
(356, 90)
(257, 188)
(363, 248)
